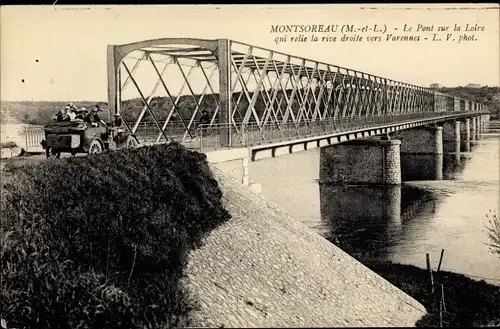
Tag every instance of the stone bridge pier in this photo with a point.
(363, 161)
(412, 154)
(465, 129)
(421, 153)
(484, 122)
(473, 129)
(421, 140)
(451, 137)
(465, 134)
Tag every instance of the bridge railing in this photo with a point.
(33, 136)
(240, 135)
(147, 132)
(253, 134)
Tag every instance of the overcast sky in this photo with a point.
(60, 52)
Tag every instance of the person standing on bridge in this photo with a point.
(205, 117)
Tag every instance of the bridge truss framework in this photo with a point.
(246, 87)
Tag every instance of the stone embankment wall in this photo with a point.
(266, 269)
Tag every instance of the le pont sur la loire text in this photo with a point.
(375, 33)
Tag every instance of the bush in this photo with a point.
(9, 145)
(493, 230)
(102, 241)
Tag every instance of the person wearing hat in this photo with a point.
(71, 113)
(73, 107)
(81, 113)
(93, 117)
(62, 115)
(205, 117)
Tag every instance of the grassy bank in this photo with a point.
(468, 302)
(101, 241)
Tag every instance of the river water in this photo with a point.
(443, 203)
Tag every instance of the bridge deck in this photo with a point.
(208, 137)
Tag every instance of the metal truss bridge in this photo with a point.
(255, 96)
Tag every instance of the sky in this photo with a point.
(59, 52)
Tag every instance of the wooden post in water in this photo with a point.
(442, 298)
(428, 260)
(440, 313)
(440, 260)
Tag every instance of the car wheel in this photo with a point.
(131, 142)
(95, 147)
(51, 153)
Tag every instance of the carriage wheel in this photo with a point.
(95, 147)
(131, 142)
(51, 153)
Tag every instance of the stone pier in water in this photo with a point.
(421, 153)
(365, 161)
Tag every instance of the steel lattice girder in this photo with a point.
(243, 84)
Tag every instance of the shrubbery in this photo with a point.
(489, 96)
(9, 145)
(493, 231)
(101, 241)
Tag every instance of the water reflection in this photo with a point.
(430, 167)
(368, 221)
(454, 165)
(465, 146)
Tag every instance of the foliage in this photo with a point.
(9, 145)
(101, 241)
(493, 231)
(489, 96)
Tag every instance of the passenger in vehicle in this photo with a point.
(71, 114)
(73, 106)
(62, 115)
(82, 112)
(93, 117)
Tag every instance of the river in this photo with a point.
(443, 203)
